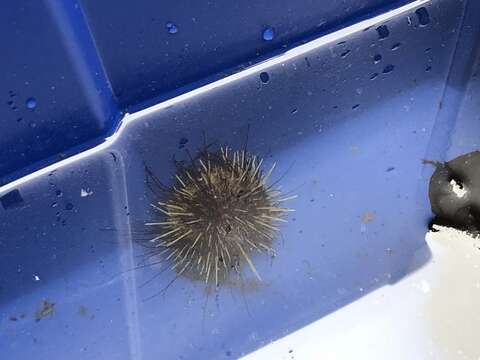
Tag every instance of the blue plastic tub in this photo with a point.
(346, 97)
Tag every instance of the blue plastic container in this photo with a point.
(346, 97)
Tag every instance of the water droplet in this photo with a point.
(396, 46)
(374, 76)
(388, 69)
(31, 103)
(9, 102)
(59, 193)
(377, 58)
(54, 205)
(383, 32)
(356, 106)
(69, 206)
(423, 16)
(345, 53)
(428, 68)
(264, 77)
(171, 28)
(19, 119)
(428, 50)
(268, 33)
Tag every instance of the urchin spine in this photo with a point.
(219, 211)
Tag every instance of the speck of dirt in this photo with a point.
(13, 318)
(367, 217)
(82, 310)
(354, 148)
(47, 309)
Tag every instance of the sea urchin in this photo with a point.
(219, 211)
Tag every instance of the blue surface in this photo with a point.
(55, 96)
(212, 38)
(347, 127)
(74, 66)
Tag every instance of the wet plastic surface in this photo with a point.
(55, 99)
(348, 119)
(74, 67)
(166, 47)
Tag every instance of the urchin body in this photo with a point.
(219, 212)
